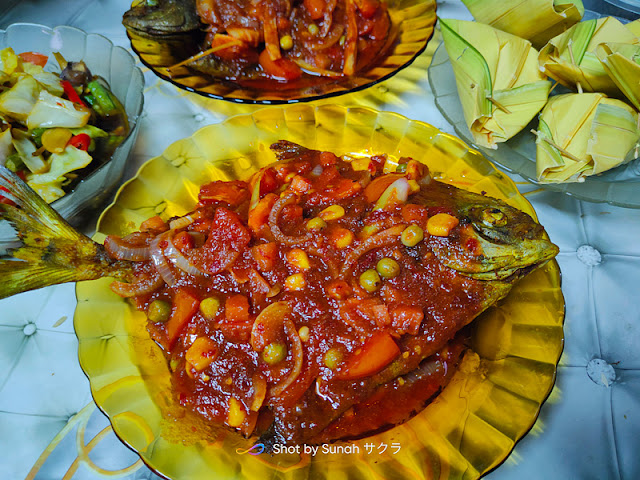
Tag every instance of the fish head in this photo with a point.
(494, 241)
(162, 17)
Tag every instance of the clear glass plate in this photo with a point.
(415, 21)
(491, 402)
(117, 67)
(619, 186)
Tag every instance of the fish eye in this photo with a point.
(493, 217)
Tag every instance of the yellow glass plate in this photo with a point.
(414, 20)
(492, 401)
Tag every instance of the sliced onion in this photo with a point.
(159, 260)
(381, 239)
(185, 221)
(141, 287)
(296, 349)
(121, 250)
(288, 198)
(175, 256)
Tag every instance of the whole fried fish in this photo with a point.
(162, 17)
(310, 339)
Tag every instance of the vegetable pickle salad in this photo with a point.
(55, 128)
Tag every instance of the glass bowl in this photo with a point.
(491, 402)
(117, 67)
(414, 20)
(619, 186)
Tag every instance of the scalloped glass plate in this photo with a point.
(492, 401)
(620, 186)
(414, 19)
(118, 68)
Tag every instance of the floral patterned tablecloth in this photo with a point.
(51, 429)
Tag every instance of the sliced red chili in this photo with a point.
(80, 141)
(71, 93)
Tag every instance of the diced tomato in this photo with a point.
(416, 214)
(228, 237)
(230, 192)
(34, 57)
(183, 241)
(327, 159)
(185, 306)
(259, 215)
(376, 353)
(291, 213)
(300, 184)
(268, 182)
(80, 141)
(280, 69)
(315, 8)
(367, 7)
(228, 47)
(154, 224)
(236, 308)
(265, 256)
(406, 319)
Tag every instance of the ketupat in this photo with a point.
(570, 58)
(621, 61)
(535, 20)
(499, 83)
(584, 134)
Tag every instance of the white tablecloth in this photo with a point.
(588, 428)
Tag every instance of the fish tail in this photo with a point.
(48, 250)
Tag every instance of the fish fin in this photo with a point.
(49, 251)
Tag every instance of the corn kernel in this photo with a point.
(295, 282)
(332, 213)
(303, 333)
(414, 186)
(209, 307)
(316, 223)
(343, 238)
(236, 414)
(441, 224)
(400, 381)
(274, 353)
(411, 236)
(298, 259)
(205, 378)
(313, 29)
(286, 42)
(332, 358)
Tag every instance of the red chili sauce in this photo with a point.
(340, 254)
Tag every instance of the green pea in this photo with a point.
(332, 358)
(370, 280)
(388, 268)
(159, 311)
(209, 307)
(401, 168)
(411, 236)
(274, 353)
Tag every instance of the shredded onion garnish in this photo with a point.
(381, 239)
(121, 250)
(283, 201)
(296, 351)
(175, 256)
(159, 260)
